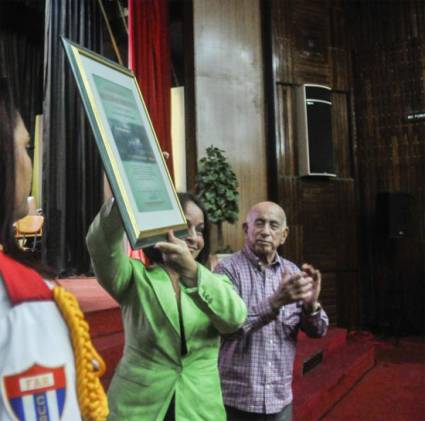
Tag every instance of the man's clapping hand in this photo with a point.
(303, 286)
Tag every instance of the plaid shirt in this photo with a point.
(256, 363)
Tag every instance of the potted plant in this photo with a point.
(216, 186)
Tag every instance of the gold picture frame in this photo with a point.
(130, 151)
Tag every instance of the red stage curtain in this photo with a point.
(149, 58)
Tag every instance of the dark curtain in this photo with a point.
(21, 55)
(149, 58)
(72, 172)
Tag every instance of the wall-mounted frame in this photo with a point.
(130, 152)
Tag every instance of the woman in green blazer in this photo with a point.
(173, 312)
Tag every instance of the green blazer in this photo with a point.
(152, 368)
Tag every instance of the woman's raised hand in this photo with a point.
(176, 255)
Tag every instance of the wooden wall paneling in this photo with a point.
(286, 148)
(348, 308)
(309, 45)
(340, 70)
(318, 216)
(341, 135)
(311, 58)
(230, 95)
(340, 58)
(290, 198)
(390, 22)
(291, 201)
(310, 42)
(293, 249)
(277, 31)
(389, 66)
(328, 296)
(279, 15)
(346, 226)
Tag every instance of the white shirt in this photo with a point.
(37, 371)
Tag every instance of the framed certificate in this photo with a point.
(130, 152)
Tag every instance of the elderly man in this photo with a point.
(256, 364)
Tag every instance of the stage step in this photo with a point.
(103, 315)
(319, 389)
(309, 349)
(110, 347)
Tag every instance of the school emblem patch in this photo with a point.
(37, 393)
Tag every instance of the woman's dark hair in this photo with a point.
(8, 120)
(155, 256)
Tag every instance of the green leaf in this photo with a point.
(216, 186)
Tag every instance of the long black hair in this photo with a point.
(155, 256)
(8, 120)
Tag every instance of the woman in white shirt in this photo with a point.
(40, 326)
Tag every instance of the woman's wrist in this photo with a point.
(189, 276)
